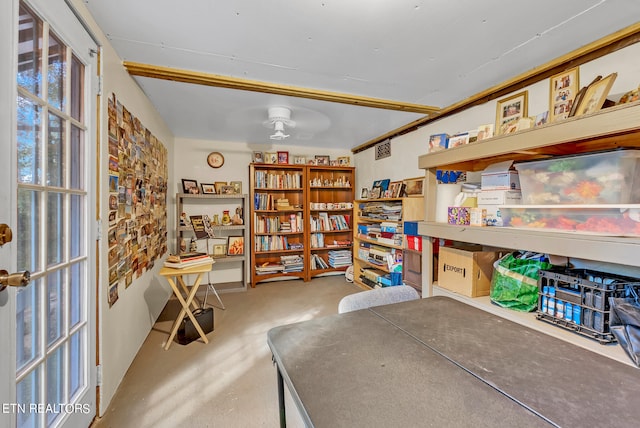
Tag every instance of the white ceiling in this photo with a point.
(431, 52)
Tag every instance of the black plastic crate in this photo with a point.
(578, 299)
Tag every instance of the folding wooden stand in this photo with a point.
(185, 296)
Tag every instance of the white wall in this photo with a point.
(124, 327)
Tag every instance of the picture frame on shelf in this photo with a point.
(299, 160)
(396, 188)
(376, 192)
(271, 157)
(283, 157)
(595, 95)
(509, 111)
(219, 185)
(322, 159)
(364, 193)
(258, 157)
(458, 140)
(190, 186)
(414, 186)
(485, 131)
(542, 118)
(237, 187)
(208, 188)
(219, 250)
(235, 246)
(382, 184)
(344, 161)
(227, 190)
(563, 88)
(333, 162)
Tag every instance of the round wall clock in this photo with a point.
(215, 159)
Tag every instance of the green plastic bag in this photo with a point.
(514, 284)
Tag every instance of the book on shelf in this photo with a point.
(199, 228)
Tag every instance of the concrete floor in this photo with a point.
(229, 382)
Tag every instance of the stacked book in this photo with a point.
(318, 262)
(185, 260)
(292, 263)
(339, 258)
(282, 204)
(269, 267)
(390, 233)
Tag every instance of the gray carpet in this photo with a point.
(229, 382)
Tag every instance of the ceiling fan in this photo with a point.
(279, 117)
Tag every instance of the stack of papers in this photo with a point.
(184, 260)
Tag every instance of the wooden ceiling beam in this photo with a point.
(207, 79)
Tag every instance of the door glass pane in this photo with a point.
(76, 365)
(55, 228)
(29, 142)
(28, 324)
(77, 89)
(29, 52)
(75, 290)
(28, 392)
(55, 151)
(55, 383)
(55, 306)
(76, 228)
(56, 72)
(77, 158)
(28, 236)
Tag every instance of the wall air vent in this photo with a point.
(383, 149)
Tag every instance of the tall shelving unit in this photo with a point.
(277, 230)
(318, 197)
(612, 128)
(331, 195)
(412, 208)
(201, 204)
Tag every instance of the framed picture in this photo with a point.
(227, 190)
(237, 187)
(485, 131)
(364, 193)
(257, 157)
(382, 184)
(283, 157)
(208, 189)
(414, 186)
(376, 192)
(458, 140)
(219, 250)
(219, 185)
(333, 162)
(344, 161)
(300, 160)
(235, 246)
(190, 186)
(595, 95)
(395, 189)
(509, 111)
(270, 157)
(563, 88)
(322, 160)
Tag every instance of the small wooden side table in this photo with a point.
(185, 296)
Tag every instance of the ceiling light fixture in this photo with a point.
(279, 117)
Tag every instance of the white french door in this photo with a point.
(48, 327)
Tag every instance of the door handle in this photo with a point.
(18, 279)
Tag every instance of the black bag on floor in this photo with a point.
(187, 333)
(625, 323)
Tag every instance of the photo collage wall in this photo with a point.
(138, 174)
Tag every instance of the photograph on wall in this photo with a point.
(137, 199)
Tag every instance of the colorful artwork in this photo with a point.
(138, 173)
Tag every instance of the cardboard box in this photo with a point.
(499, 176)
(466, 270)
(499, 197)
